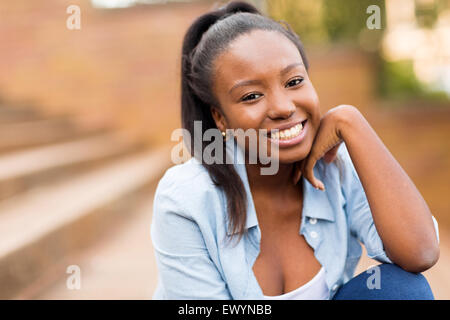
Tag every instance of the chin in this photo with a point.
(292, 156)
(290, 159)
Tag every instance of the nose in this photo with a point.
(280, 107)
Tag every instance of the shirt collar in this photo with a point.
(316, 203)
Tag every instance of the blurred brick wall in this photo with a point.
(122, 66)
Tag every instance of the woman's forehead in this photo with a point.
(259, 51)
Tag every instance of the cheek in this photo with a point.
(310, 96)
(246, 117)
(309, 101)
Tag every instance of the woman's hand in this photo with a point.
(326, 144)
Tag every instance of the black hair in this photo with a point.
(207, 37)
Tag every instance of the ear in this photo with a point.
(219, 118)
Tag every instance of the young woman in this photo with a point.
(297, 232)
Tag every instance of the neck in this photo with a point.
(279, 182)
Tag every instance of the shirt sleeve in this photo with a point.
(359, 216)
(358, 210)
(186, 270)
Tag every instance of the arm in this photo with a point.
(401, 216)
(186, 270)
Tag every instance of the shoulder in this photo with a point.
(338, 171)
(347, 170)
(187, 209)
(342, 167)
(340, 175)
(344, 156)
(350, 183)
(182, 175)
(187, 189)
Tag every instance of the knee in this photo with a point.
(387, 282)
(403, 284)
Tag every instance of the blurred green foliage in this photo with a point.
(323, 21)
(397, 80)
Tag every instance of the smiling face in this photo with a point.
(260, 82)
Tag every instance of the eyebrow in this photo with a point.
(251, 82)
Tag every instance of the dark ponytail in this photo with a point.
(208, 36)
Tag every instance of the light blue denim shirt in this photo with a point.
(190, 221)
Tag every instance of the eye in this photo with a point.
(294, 82)
(251, 96)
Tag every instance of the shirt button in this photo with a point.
(335, 287)
(312, 220)
(313, 234)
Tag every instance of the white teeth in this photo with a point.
(294, 131)
(287, 133)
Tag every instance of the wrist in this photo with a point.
(349, 117)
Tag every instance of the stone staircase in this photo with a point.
(63, 184)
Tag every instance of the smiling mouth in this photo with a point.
(287, 134)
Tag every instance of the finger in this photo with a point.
(308, 171)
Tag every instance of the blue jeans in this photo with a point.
(389, 282)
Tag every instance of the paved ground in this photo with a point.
(121, 266)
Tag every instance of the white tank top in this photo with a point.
(314, 289)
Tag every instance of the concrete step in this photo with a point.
(16, 114)
(119, 266)
(43, 226)
(22, 134)
(24, 169)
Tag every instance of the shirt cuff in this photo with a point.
(436, 228)
(380, 256)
